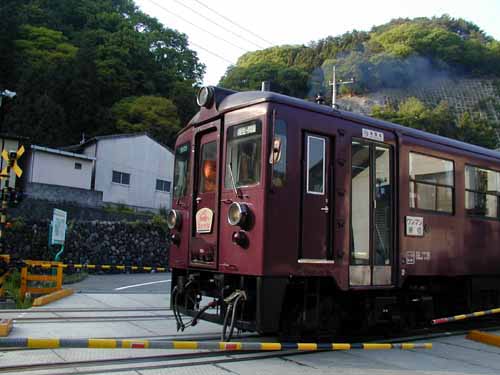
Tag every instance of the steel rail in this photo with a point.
(235, 356)
(78, 318)
(63, 310)
(228, 357)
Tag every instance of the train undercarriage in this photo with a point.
(303, 307)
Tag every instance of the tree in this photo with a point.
(440, 120)
(82, 57)
(474, 129)
(152, 114)
(290, 81)
(43, 47)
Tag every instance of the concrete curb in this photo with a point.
(485, 338)
(51, 297)
(5, 327)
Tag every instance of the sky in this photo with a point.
(257, 24)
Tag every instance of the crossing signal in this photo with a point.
(11, 158)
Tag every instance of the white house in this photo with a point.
(131, 169)
(55, 167)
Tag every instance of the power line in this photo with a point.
(212, 53)
(194, 25)
(219, 25)
(234, 23)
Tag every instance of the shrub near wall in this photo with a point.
(93, 242)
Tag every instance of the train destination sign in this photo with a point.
(374, 135)
(204, 220)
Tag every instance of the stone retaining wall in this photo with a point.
(94, 242)
(462, 95)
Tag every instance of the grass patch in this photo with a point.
(11, 287)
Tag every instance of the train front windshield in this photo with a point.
(243, 157)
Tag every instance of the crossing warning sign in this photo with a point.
(11, 158)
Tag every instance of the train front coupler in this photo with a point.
(186, 298)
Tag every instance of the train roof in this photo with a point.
(242, 99)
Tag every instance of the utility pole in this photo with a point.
(10, 158)
(8, 94)
(334, 84)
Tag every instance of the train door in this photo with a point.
(371, 240)
(203, 244)
(317, 206)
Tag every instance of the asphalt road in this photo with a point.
(158, 283)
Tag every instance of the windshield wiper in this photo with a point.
(232, 179)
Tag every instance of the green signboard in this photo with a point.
(58, 227)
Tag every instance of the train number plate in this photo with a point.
(204, 220)
(415, 226)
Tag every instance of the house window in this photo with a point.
(482, 190)
(431, 183)
(162, 185)
(78, 165)
(121, 178)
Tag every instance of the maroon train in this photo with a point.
(293, 217)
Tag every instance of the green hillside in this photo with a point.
(391, 55)
(396, 55)
(92, 67)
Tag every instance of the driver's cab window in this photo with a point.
(243, 157)
(208, 167)
(181, 170)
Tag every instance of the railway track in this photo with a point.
(67, 310)
(116, 318)
(199, 358)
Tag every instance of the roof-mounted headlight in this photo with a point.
(174, 219)
(238, 214)
(205, 97)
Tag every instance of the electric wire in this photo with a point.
(234, 23)
(196, 26)
(218, 24)
(212, 53)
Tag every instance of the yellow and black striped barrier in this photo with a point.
(466, 316)
(120, 267)
(52, 343)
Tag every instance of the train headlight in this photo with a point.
(174, 219)
(237, 214)
(205, 96)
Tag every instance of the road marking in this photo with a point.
(136, 285)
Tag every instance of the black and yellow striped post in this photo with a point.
(11, 163)
(475, 314)
(52, 343)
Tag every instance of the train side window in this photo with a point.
(278, 153)
(482, 190)
(431, 183)
(315, 165)
(181, 170)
